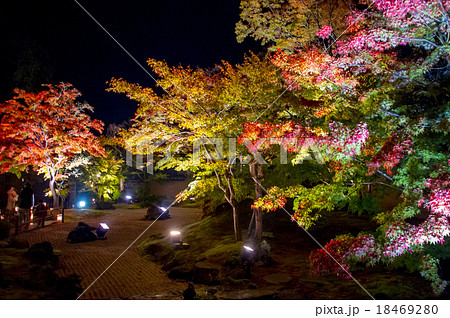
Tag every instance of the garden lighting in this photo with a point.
(175, 237)
(101, 231)
(165, 213)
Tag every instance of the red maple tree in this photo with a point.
(46, 130)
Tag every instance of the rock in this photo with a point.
(4, 244)
(19, 243)
(277, 278)
(170, 264)
(264, 252)
(159, 252)
(206, 273)
(153, 212)
(181, 272)
(82, 233)
(40, 252)
(153, 248)
(237, 273)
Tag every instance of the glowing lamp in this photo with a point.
(104, 226)
(175, 238)
(248, 257)
(164, 214)
(248, 249)
(101, 231)
(128, 197)
(59, 218)
(82, 204)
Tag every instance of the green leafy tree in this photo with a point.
(290, 24)
(103, 176)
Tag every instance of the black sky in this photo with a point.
(56, 41)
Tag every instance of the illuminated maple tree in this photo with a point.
(389, 69)
(47, 130)
(289, 24)
(198, 120)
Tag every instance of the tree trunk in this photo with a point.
(53, 191)
(234, 206)
(237, 229)
(229, 194)
(256, 171)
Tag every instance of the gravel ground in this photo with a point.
(131, 276)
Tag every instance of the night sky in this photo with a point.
(56, 41)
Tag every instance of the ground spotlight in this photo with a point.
(82, 204)
(128, 197)
(175, 237)
(165, 213)
(59, 218)
(101, 231)
(248, 256)
(177, 242)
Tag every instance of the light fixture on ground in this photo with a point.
(248, 256)
(164, 213)
(175, 239)
(128, 197)
(101, 231)
(82, 204)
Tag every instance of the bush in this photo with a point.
(149, 200)
(4, 229)
(104, 205)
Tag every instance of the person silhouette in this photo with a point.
(26, 203)
(12, 199)
(189, 293)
